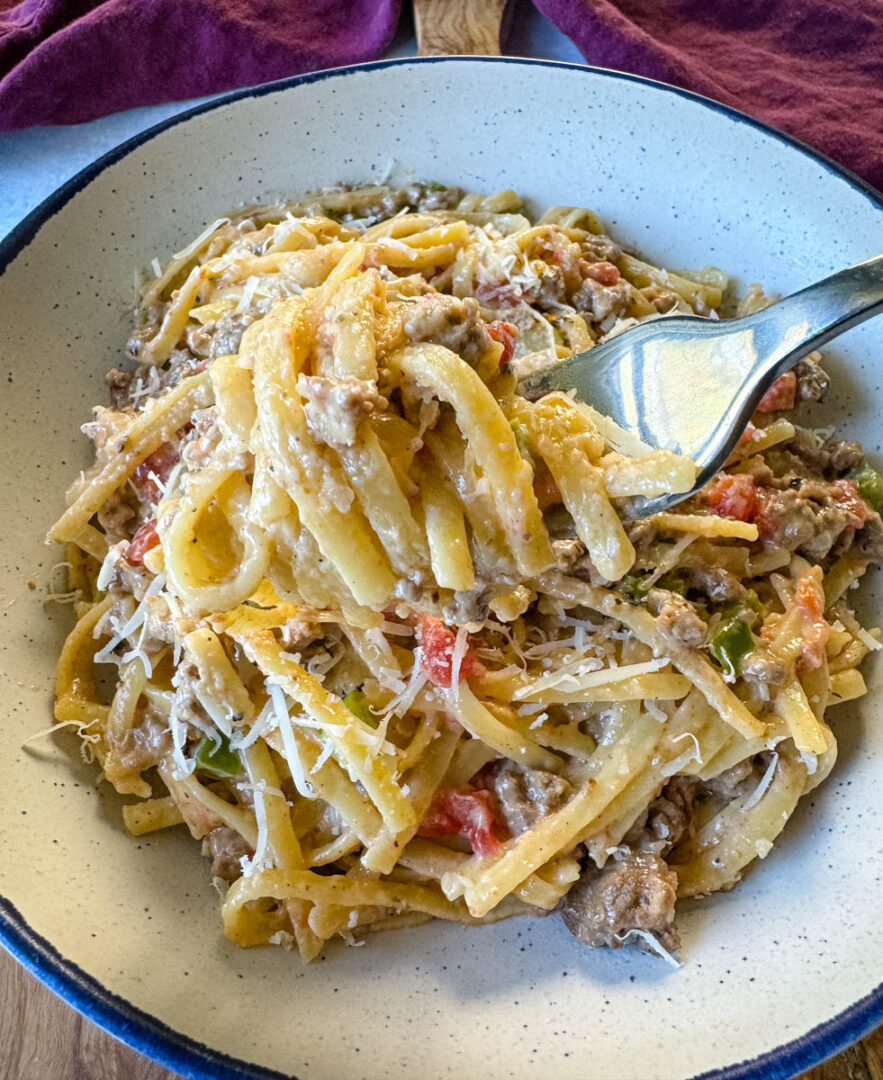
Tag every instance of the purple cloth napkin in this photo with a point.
(65, 61)
(813, 68)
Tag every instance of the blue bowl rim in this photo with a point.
(144, 1033)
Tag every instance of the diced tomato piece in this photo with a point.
(809, 601)
(144, 540)
(766, 522)
(500, 294)
(437, 651)
(781, 395)
(845, 494)
(567, 257)
(505, 333)
(605, 273)
(807, 596)
(470, 814)
(734, 497)
(153, 472)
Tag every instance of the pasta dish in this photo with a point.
(388, 638)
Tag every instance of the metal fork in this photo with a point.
(691, 385)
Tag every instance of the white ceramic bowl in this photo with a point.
(779, 973)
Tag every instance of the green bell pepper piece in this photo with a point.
(753, 601)
(217, 759)
(521, 439)
(357, 704)
(870, 485)
(731, 644)
(635, 587)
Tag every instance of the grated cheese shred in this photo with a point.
(283, 722)
(765, 781)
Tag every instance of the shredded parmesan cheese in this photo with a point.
(88, 738)
(259, 861)
(108, 567)
(401, 703)
(592, 679)
(693, 753)
(183, 766)
(322, 758)
(652, 945)
(283, 721)
(104, 656)
(219, 714)
(765, 781)
(868, 639)
(258, 729)
(62, 597)
(811, 761)
(193, 247)
(657, 712)
(245, 300)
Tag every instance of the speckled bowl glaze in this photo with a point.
(778, 974)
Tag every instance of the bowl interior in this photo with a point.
(688, 184)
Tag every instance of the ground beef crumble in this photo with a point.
(336, 408)
(145, 745)
(637, 892)
(676, 618)
(226, 848)
(527, 795)
(456, 324)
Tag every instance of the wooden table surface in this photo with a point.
(41, 1038)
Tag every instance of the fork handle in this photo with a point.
(806, 320)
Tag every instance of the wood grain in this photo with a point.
(41, 1038)
(451, 27)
